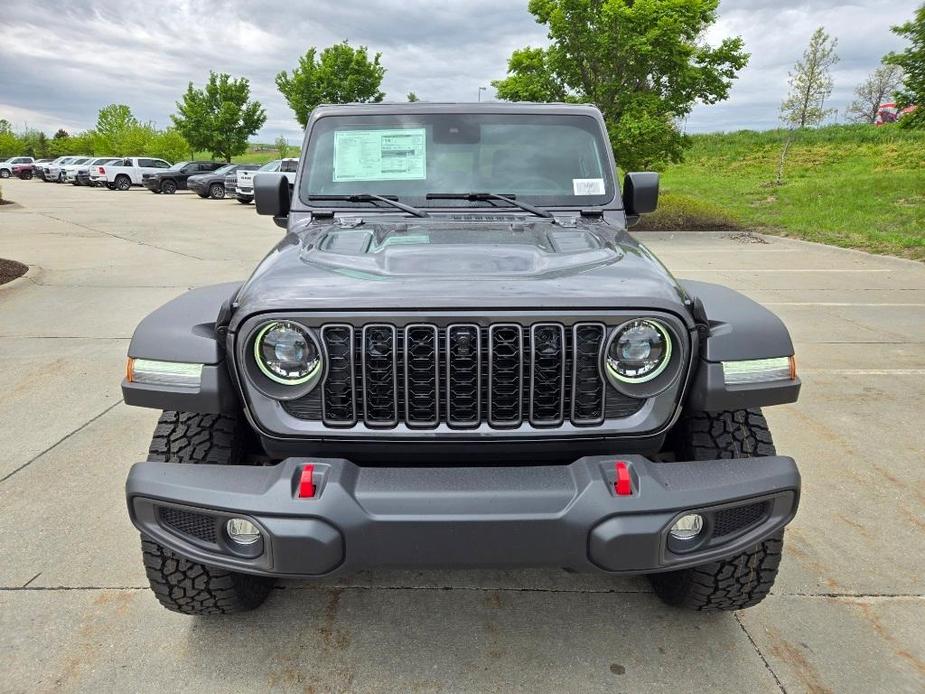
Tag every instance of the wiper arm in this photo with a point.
(370, 197)
(473, 197)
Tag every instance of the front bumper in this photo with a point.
(364, 517)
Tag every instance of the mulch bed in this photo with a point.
(10, 270)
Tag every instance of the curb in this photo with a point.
(32, 274)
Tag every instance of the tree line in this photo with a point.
(645, 64)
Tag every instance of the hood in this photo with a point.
(456, 263)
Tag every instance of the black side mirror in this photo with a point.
(272, 195)
(640, 192)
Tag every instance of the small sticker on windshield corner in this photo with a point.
(588, 186)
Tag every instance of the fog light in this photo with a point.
(242, 531)
(687, 527)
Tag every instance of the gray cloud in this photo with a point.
(60, 63)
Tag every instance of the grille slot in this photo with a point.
(380, 375)
(422, 375)
(462, 375)
(339, 401)
(547, 374)
(587, 384)
(731, 520)
(197, 525)
(505, 374)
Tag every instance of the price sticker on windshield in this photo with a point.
(588, 186)
(380, 155)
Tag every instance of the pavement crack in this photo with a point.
(26, 584)
(764, 660)
(116, 236)
(59, 441)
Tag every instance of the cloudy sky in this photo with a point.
(61, 61)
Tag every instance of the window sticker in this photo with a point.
(588, 186)
(380, 155)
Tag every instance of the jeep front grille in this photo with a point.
(463, 375)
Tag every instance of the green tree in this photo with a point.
(412, 97)
(644, 63)
(912, 62)
(11, 145)
(113, 124)
(5, 126)
(282, 147)
(167, 144)
(811, 83)
(878, 88)
(220, 117)
(340, 74)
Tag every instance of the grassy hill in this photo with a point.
(848, 185)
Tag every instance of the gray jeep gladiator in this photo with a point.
(457, 356)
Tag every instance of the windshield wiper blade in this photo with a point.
(473, 197)
(370, 197)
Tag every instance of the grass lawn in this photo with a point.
(856, 186)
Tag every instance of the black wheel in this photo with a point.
(182, 585)
(217, 191)
(745, 579)
(244, 199)
(168, 187)
(4, 173)
(123, 182)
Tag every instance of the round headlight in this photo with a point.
(286, 353)
(639, 351)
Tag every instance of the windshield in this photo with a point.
(271, 165)
(179, 165)
(543, 159)
(227, 168)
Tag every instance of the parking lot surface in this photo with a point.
(846, 614)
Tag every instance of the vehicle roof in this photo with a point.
(456, 108)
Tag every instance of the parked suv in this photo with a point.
(458, 356)
(212, 184)
(6, 166)
(244, 189)
(169, 181)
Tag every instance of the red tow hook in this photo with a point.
(306, 483)
(622, 484)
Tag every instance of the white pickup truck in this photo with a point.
(127, 172)
(244, 190)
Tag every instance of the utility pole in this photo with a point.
(481, 89)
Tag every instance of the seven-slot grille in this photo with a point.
(463, 375)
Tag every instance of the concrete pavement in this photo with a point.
(75, 613)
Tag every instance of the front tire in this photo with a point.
(217, 191)
(4, 173)
(168, 187)
(182, 585)
(745, 579)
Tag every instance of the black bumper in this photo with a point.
(565, 516)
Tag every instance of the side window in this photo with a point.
(146, 162)
(290, 166)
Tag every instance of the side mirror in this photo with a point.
(640, 192)
(272, 195)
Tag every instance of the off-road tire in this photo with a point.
(745, 579)
(217, 191)
(182, 585)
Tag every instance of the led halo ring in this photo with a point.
(274, 377)
(661, 367)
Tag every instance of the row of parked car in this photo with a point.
(208, 179)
